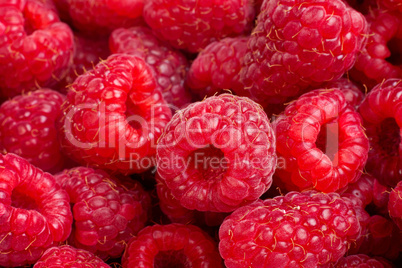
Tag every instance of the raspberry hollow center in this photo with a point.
(172, 259)
(23, 201)
(389, 137)
(209, 161)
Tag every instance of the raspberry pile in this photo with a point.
(190, 133)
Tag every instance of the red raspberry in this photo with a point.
(395, 204)
(169, 65)
(217, 67)
(172, 245)
(305, 229)
(380, 198)
(106, 214)
(353, 95)
(362, 261)
(113, 116)
(322, 142)
(27, 128)
(299, 43)
(382, 116)
(359, 192)
(25, 232)
(380, 58)
(88, 53)
(101, 17)
(69, 257)
(193, 24)
(218, 154)
(35, 47)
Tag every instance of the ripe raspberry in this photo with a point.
(321, 140)
(69, 257)
(193, 24)
(169, 65)
(382, 119)
(27, 128)
(25, 232)
(360, 192)
(381, 57)
(106, 214)
(101, 17)
(299, 43)
(362, 261)
(353, 95)
(172, 245)
(88, 53)
(380, 198)
(114, 115)
(305, 229)
(218, 154)
(217, 67)
(395, 204)
(35, 47)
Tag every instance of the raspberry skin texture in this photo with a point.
(101, 17)
(322, 142)
(306, 229)
(27, 128)
(113, 116)
(372, 65)
(353, 94)
(69, 257)
(26, 232)
(360, 192)
(217, 67)
(297, 44)
(362, 261)
(218, 154)
(192, 25)
(106, 213)
(382, 117)
(36, 47)
(172, 245)
(169, 65)
(395, 204)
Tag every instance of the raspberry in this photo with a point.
(218, 154)
(25, 232)
(69, 257)
(113, 116)
(360, 192)
(321, 140)
(353, 95)
(193, 24)
(362, 261)
(395, 204)
(217, 67)
(299, 43)
(380, 198)
(101, 17)
(305, 229)
(35, 47)
(88, 52)
(27, 128)
(169, 65)
(172, 245)
(380, 58)
(106, 213)
(382, 117)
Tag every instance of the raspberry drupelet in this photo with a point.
(297, 44)
(218, 154)
(395, 204)
(172, 245)
(353, 94)
(69, 257)
(169, 65)
(36, 48)
(362, 261)
(106, 213)
(382, 117)
(113, 116)
(305, 229)
(321, 139)
(35, 212)
(192, 25)
(27, 128)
